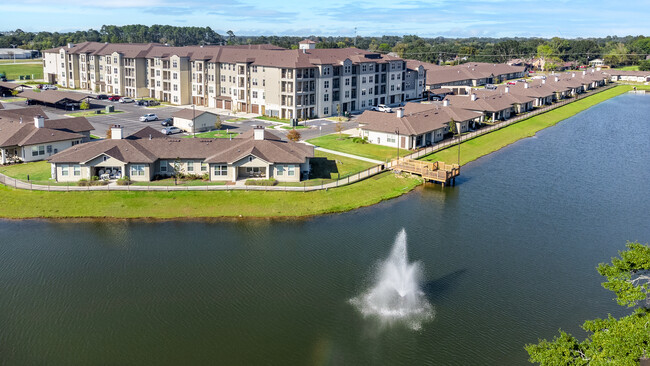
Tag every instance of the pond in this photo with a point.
(508, 256)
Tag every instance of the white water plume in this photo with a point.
(396, 295)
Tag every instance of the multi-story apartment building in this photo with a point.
(263, 79)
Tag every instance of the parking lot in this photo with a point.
(129, 119)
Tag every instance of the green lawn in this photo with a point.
(35, 204)
(330, 166)
(216, 134)
(291, 128)
(237, 119)
(628, 68)
(346, 145)
(39, 170)
(12, 100)
(170, 182)
(91, 113)
(273, 119)
(337, 119)
(485, 144)
(14, 71)
(22, 61)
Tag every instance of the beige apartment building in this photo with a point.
(264, 79)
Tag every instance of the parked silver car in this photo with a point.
(149, 117)
(170, 130)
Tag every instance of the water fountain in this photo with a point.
(396, 296)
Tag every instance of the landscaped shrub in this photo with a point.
(124, 181)
(205, 176)
(359, 140)
(261, 182)
(83, 182)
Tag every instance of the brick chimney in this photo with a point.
(258, 133)
(117, 132)
(39, 121)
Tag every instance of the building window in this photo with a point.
(204, 167)
(175, 87)
(76, 170)
(221, 170)
(49, 148)
(38, 150)
(326, 97)
(175, 76)
(347, 94)
(174, 64)
(163, 165)
(347, 81)
(138, 170)
(175, 99)
(279, 170)
(64, 169)
(326, 111)
(254, 94)
(291, 170)
(190, 166)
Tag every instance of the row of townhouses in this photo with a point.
(418, 125)
(264, 79)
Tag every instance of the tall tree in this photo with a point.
(611, 341)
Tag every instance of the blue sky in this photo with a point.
(426, 18)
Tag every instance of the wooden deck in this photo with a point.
(436, 171)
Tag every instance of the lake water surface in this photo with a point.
(509, 256)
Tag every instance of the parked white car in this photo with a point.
(149, 117)
(384, 108)
(126, 100)
(170, 130)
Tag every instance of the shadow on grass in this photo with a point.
(322, 168)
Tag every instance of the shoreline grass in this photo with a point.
(23, 204)
(493, 141)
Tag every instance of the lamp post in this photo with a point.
(14, 53)
(397, 133)
(193, 122)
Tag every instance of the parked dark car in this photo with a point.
(102, 96)
(167, 122)
(152, 103)
(114, 98)
(139, 102)
(147, 103)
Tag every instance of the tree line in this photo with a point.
(615, 51)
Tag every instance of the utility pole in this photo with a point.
(14, 53)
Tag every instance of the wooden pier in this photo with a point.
(436, 171)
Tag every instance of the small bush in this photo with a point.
(83, 182)
(205, 176)
(359, 140)
(94, 178)
(124, 181)
(193, 177)
(261, 182)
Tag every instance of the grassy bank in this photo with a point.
(91, 113)
(216, 134)
(37, 204)
(485, 144)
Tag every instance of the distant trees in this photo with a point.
(616, 50)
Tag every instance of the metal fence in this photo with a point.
(353, 178)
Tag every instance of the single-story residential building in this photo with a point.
(495, 105)
(253, 154)
(596, 63)
(629, 75)
(192, 121)
(26, 135)
(413, 126)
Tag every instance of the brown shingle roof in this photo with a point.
(54, 96)
(211, 150)
(418, 119)
(187, 113)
